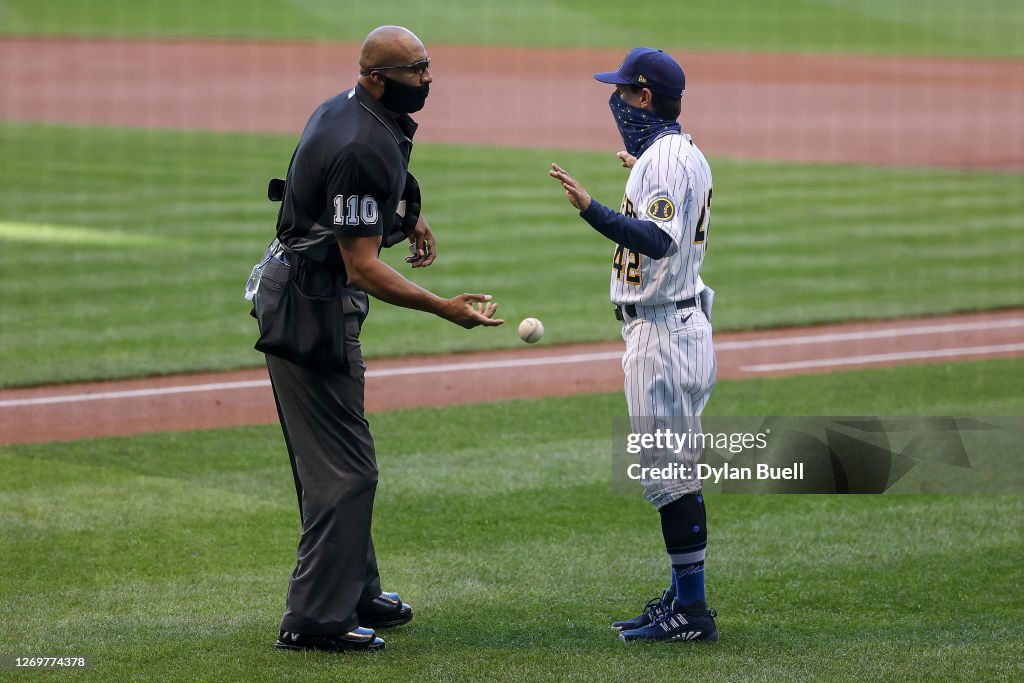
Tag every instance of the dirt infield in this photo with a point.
(820, 108)
(874, 110)
(239, 398)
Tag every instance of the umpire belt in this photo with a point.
(277, 250)
(641, 311)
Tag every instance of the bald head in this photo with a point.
(390, 46)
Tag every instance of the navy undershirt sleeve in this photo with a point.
(636, 235)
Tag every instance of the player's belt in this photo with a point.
(631, 309)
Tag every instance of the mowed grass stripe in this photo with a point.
(156, 555)
(938, 27)
(126, 251)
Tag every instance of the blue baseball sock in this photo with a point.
(684, 527)
(689, 582)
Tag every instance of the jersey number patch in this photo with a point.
(626, 264)
(353, 210)
(700, 233)
(626, 209)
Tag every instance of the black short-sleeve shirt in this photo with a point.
(346, 177)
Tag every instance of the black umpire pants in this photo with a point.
(334, 466)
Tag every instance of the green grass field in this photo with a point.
(166, 557)
(989, 28)
(126, 251)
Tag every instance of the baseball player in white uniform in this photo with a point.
(660, 235)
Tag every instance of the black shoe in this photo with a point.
(653, 608)
(385, 611)
(360, 639)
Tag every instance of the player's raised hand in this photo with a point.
(470, 310)
(626, 158)
(577, 196)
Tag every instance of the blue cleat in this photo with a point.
(654, 607)
(674, 625)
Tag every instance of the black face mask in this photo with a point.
(404, 99)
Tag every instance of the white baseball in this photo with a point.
(531, 330)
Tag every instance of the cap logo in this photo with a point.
(641, 78)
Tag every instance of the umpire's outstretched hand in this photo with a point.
(470, 310)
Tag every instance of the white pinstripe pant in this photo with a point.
(670, 370)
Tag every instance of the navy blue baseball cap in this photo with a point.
(648, 68)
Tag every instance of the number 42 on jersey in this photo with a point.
(626, 262)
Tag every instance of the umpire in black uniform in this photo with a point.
(347, 194)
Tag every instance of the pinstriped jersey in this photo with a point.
(669, 185)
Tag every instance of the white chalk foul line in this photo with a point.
(550, 360)
(499, 364)
(134, 393)
(250, 384)
(871, 334)
(885, 358)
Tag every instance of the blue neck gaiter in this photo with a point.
(639, 127)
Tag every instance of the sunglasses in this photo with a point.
(419, 68)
